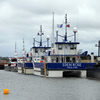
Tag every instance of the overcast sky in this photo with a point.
(22, 19)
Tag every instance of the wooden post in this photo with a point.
(44, 67)
(23, 66)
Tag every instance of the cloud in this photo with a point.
(22, 19)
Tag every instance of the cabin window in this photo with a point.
(67, 59)
(62, 59)
(42, 57)
(36, 50)
(57, 59)
(73, 59)
(71, 46)
(60, 47)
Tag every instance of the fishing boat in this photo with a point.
(25, 64)
(62, 59)
(13, 61)
(38, 52)
(7, 67)
(11, 65)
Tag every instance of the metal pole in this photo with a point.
(15, 47)
(15, 50)
(40, 35)
(52, 42)
(44, 68)
(66, 27)
(47, 42)
(99, 48)
(23, 44)
(74, 36)
(33, 42)
(57, 36)
(23, 55)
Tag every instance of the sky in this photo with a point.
(22, 19)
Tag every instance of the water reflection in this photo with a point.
(29, 87)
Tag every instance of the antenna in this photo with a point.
(40, 28)
(56, 35)
(15, 46)
(23, 45)
(47, 40)
(23, 49)
(75, 31)
(65, 27)
(34, 41)
(40, 35)
(52, 42)
(15, 50)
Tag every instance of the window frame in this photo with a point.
(60, 47)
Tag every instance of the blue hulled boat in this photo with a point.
(63, 57)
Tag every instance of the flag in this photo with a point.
(31, 54)
(67, 25)
(53, 51)
(59, 25)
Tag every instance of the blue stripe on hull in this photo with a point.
(59, 66)
(69, 66)
(26, 65)
(39, 65)
(20, 64)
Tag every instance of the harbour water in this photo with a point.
(29, 87)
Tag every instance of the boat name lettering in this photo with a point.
(71, 64)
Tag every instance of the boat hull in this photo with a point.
(26, 68)
(14, 69)
(7, 68)
(20, 67)
(58, 69)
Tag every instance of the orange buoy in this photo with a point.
(6, 91)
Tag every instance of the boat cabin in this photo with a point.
(64, 52)
(38, 53)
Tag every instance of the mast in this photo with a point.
(65, 27)
(40, 35)
(23, 48)
(15, 47)
(23, 45)
(52, 42)
(15, 50)
(34, 41)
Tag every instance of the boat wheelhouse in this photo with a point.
(64, 52)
